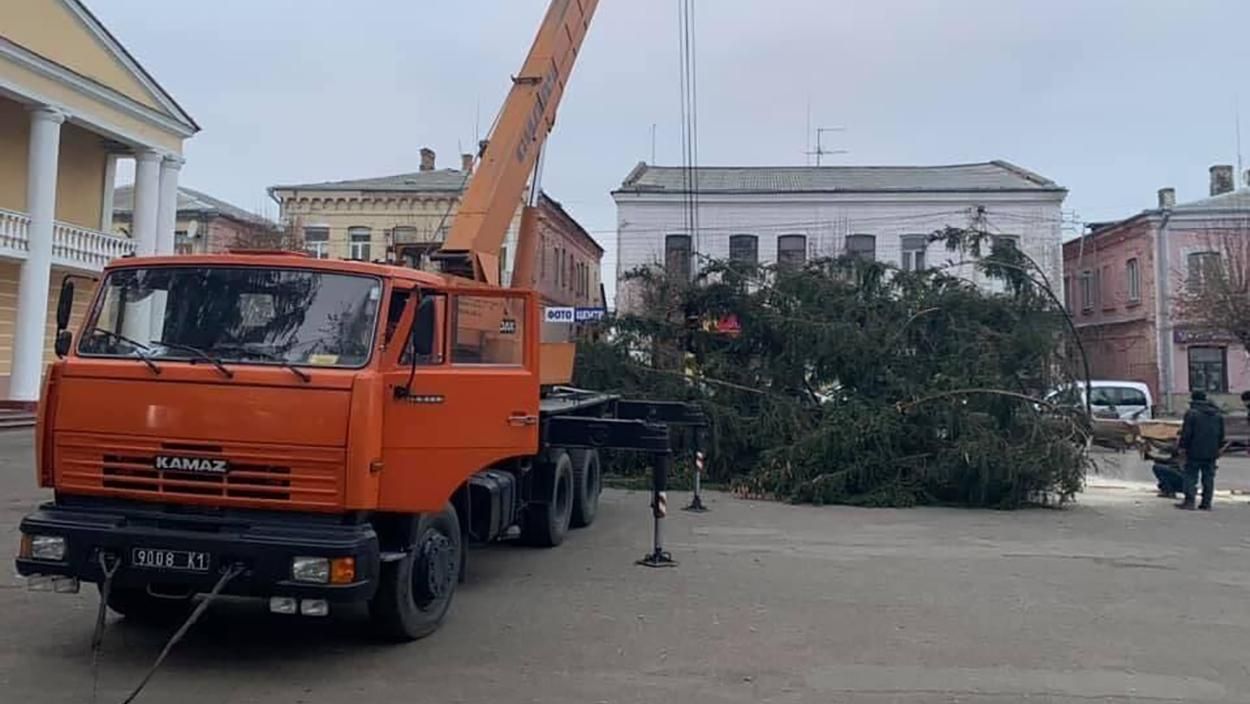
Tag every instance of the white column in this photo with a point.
(167, 212)
(110, 185)
(36, 273)
(144, 225)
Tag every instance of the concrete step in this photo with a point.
(16, 420)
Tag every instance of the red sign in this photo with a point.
(728, 325)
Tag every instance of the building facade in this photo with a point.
(769, 215)
(1122, 282)
(404, 219)
(203, 224)
(73, 102)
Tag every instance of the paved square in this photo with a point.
(1118, 599)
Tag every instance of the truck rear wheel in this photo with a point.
(136, 604)
(415, 593)
(586, 487)
(547, 517)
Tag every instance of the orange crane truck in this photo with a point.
(319, 432)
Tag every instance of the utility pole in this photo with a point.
(820, 143)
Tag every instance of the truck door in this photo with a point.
(462, 398)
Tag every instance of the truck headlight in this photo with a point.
(311, 569)
(44, 547)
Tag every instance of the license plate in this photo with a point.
(161, 559)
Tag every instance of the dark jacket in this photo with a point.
(1202, 432)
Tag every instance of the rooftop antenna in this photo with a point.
(820, 144)
(1237, 117)
(807, 133)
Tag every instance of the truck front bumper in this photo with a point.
(264, 543)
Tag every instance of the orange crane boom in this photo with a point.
(508, 157)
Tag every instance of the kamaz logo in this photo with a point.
(191, 464)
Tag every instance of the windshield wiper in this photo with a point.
(140, 348)
(198, 353)
(303, 375)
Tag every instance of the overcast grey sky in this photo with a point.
(1111, 98)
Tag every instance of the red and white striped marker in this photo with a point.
(698, 461)
(660, 504)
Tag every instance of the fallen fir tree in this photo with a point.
(852, 382)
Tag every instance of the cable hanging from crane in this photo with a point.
(689, 119)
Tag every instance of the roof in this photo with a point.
(162, 95)
(190, 202)
(439, 180)
(987, 176)
(558, 208)
(1233, 200)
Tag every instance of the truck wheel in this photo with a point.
(414, 593)
(547, 521)
(136, 604)
(586, 487)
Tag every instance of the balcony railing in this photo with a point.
(72, 247)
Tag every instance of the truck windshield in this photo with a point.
(248, 315)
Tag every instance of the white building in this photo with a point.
(771, 214)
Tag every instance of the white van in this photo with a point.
(1126, 400)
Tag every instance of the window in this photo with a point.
(417, 255)
(317, 241)
(861, 247)
(1208, 369)
(1133, 277)
(791, 250)
(1087, 291)
(183, 243)
(744, 249)
(240, 315)
(489, 330)
(432, 307)
(1004, 242)
(1112, 396)
(1202, 267)
(1067, 293)
(403, 234)
(677, 256)
(358, 240)
(1104, 279)
(914, 247)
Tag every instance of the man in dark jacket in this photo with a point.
(1202, 438)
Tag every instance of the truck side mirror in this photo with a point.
(64, 338)
(64, 305)
(423, 328)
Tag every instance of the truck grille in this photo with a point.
(286, 476)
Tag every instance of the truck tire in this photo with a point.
(587, 483)
(415, 593)
(547, 517)
(137, 605)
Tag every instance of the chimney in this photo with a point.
(1221, 179)
(427, 159)
(1167, 198)
(466, 163)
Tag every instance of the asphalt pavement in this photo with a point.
(1119, 598)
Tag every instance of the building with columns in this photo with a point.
(73, 102)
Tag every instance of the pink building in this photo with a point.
(1120, 282)
(203, 224)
